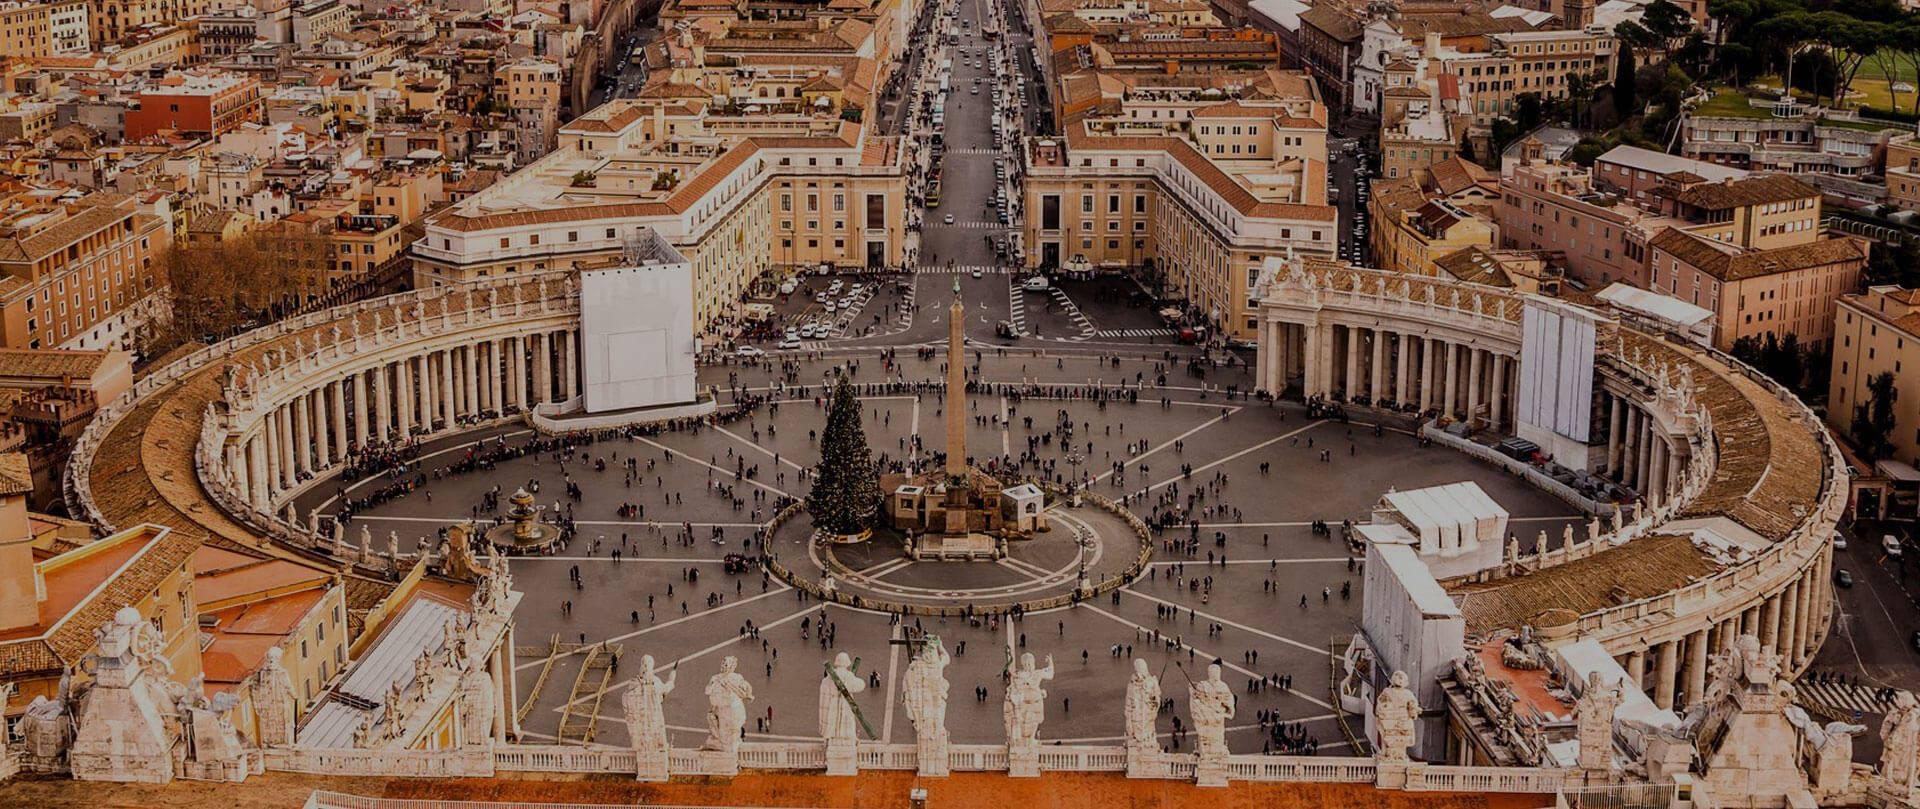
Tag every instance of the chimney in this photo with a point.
(20, 586)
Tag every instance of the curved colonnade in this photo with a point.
(1709, 445)
(225, 438)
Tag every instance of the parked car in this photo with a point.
(1891, 545)
(1841, 578)
(788, 344)
(1036, 283)
(748, 351)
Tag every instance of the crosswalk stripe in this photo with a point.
(1136, 333)
(964, 269)
(1840, 697)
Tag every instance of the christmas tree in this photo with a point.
(846, 489)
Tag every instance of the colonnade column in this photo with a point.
(1378, 372)
(1660, 456)
(403, 382)
(1426, 374)
(1403, 354)
(1637, 667)
(1497, 400)
(1697, 648)
(1452, 350)
(570, 382)
(490, 365)
(1315, 382)
(1630, 467)
(1616, 420)
(257, 470)
(337, 393)
(1664, 673)
(300, 441)
(542, 368)
(1473, 381)
(1789, 621)
(1803, 628)
(1351, 385)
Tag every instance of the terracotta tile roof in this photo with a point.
(83, 594)
(1223, 184)
(79, 225)
(1340, 27)
(1738, 265)
(16, 474)
(1455, 174)
(1643, 568)
(1742, 192)
(48, 364)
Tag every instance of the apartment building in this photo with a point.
(1877, 332)
(1758, 292)
(1552, 206)
(1191, 190)
(1416, 222)
(78, 275)
(197, 103)
(1640, 173)
(1903, 172)
(110, 20)
(737, 194)
(249, 604)
(33, 30)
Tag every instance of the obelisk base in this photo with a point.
(935, 762)
(651, 765)
(843, 758)
(1210, 771)
(1023, 759)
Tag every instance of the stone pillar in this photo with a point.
(302, 439)
(1803, 625)
(337, 390)
(1474, 358)
(1664, 674)
(447, 395)
(257, 474)
(283, 433)
(403, 383)
(1697, 648)
(1376, 388)
(382, 403)
(270, 435)
(1770, 622)
(1262, 372)
(495, 400)
(1316, 381)
(1402, 355)
(469, 380)
(1637, 667)
(542, 368)
(1617, 412)
(1648, 429)
(429, 397)
(1789, 622)
(1635, 436)
(322, 442)
(1351, 385)
(522, 382)
(1452, 404)
(569, 366)
(1497, 402)
(1426, 374)
(234, 458)
(1661, 455)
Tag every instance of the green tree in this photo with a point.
(1873, 418)
(1625, 104)
(1893, 263)
(846, 488)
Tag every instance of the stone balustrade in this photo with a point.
(601, 760)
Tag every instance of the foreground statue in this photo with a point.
(1142, 707)
(647, 720)
(1025, 707)
(839, 716)
(1594, 724)
(1900, 740)
(1395, 714)
(1212, 702)
(926, 703)
(727, 696)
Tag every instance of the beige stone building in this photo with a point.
(1878, 332)
(1757, 292)
(737, 195)
(1193, 189)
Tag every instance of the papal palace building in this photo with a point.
(1177, 174)
(737, 191)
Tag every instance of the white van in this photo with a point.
(1036, 283)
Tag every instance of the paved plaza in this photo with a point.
(1186, 446)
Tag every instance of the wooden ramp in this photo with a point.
(550, 652)
(582, 711)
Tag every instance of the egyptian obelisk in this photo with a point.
(956, 386)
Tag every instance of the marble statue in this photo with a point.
(839, 717)
(271, 690)
(727, 696)
(215, 741)
(1024, 708)
(1395, 713)
(393, 547)
(1594, 723)
(646, 718)
(366, 543)
(121, 733)
(1142, 707)
(1212, 703)
(46, 726)
(1900, 740)
(475, 696)
(925, 698)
